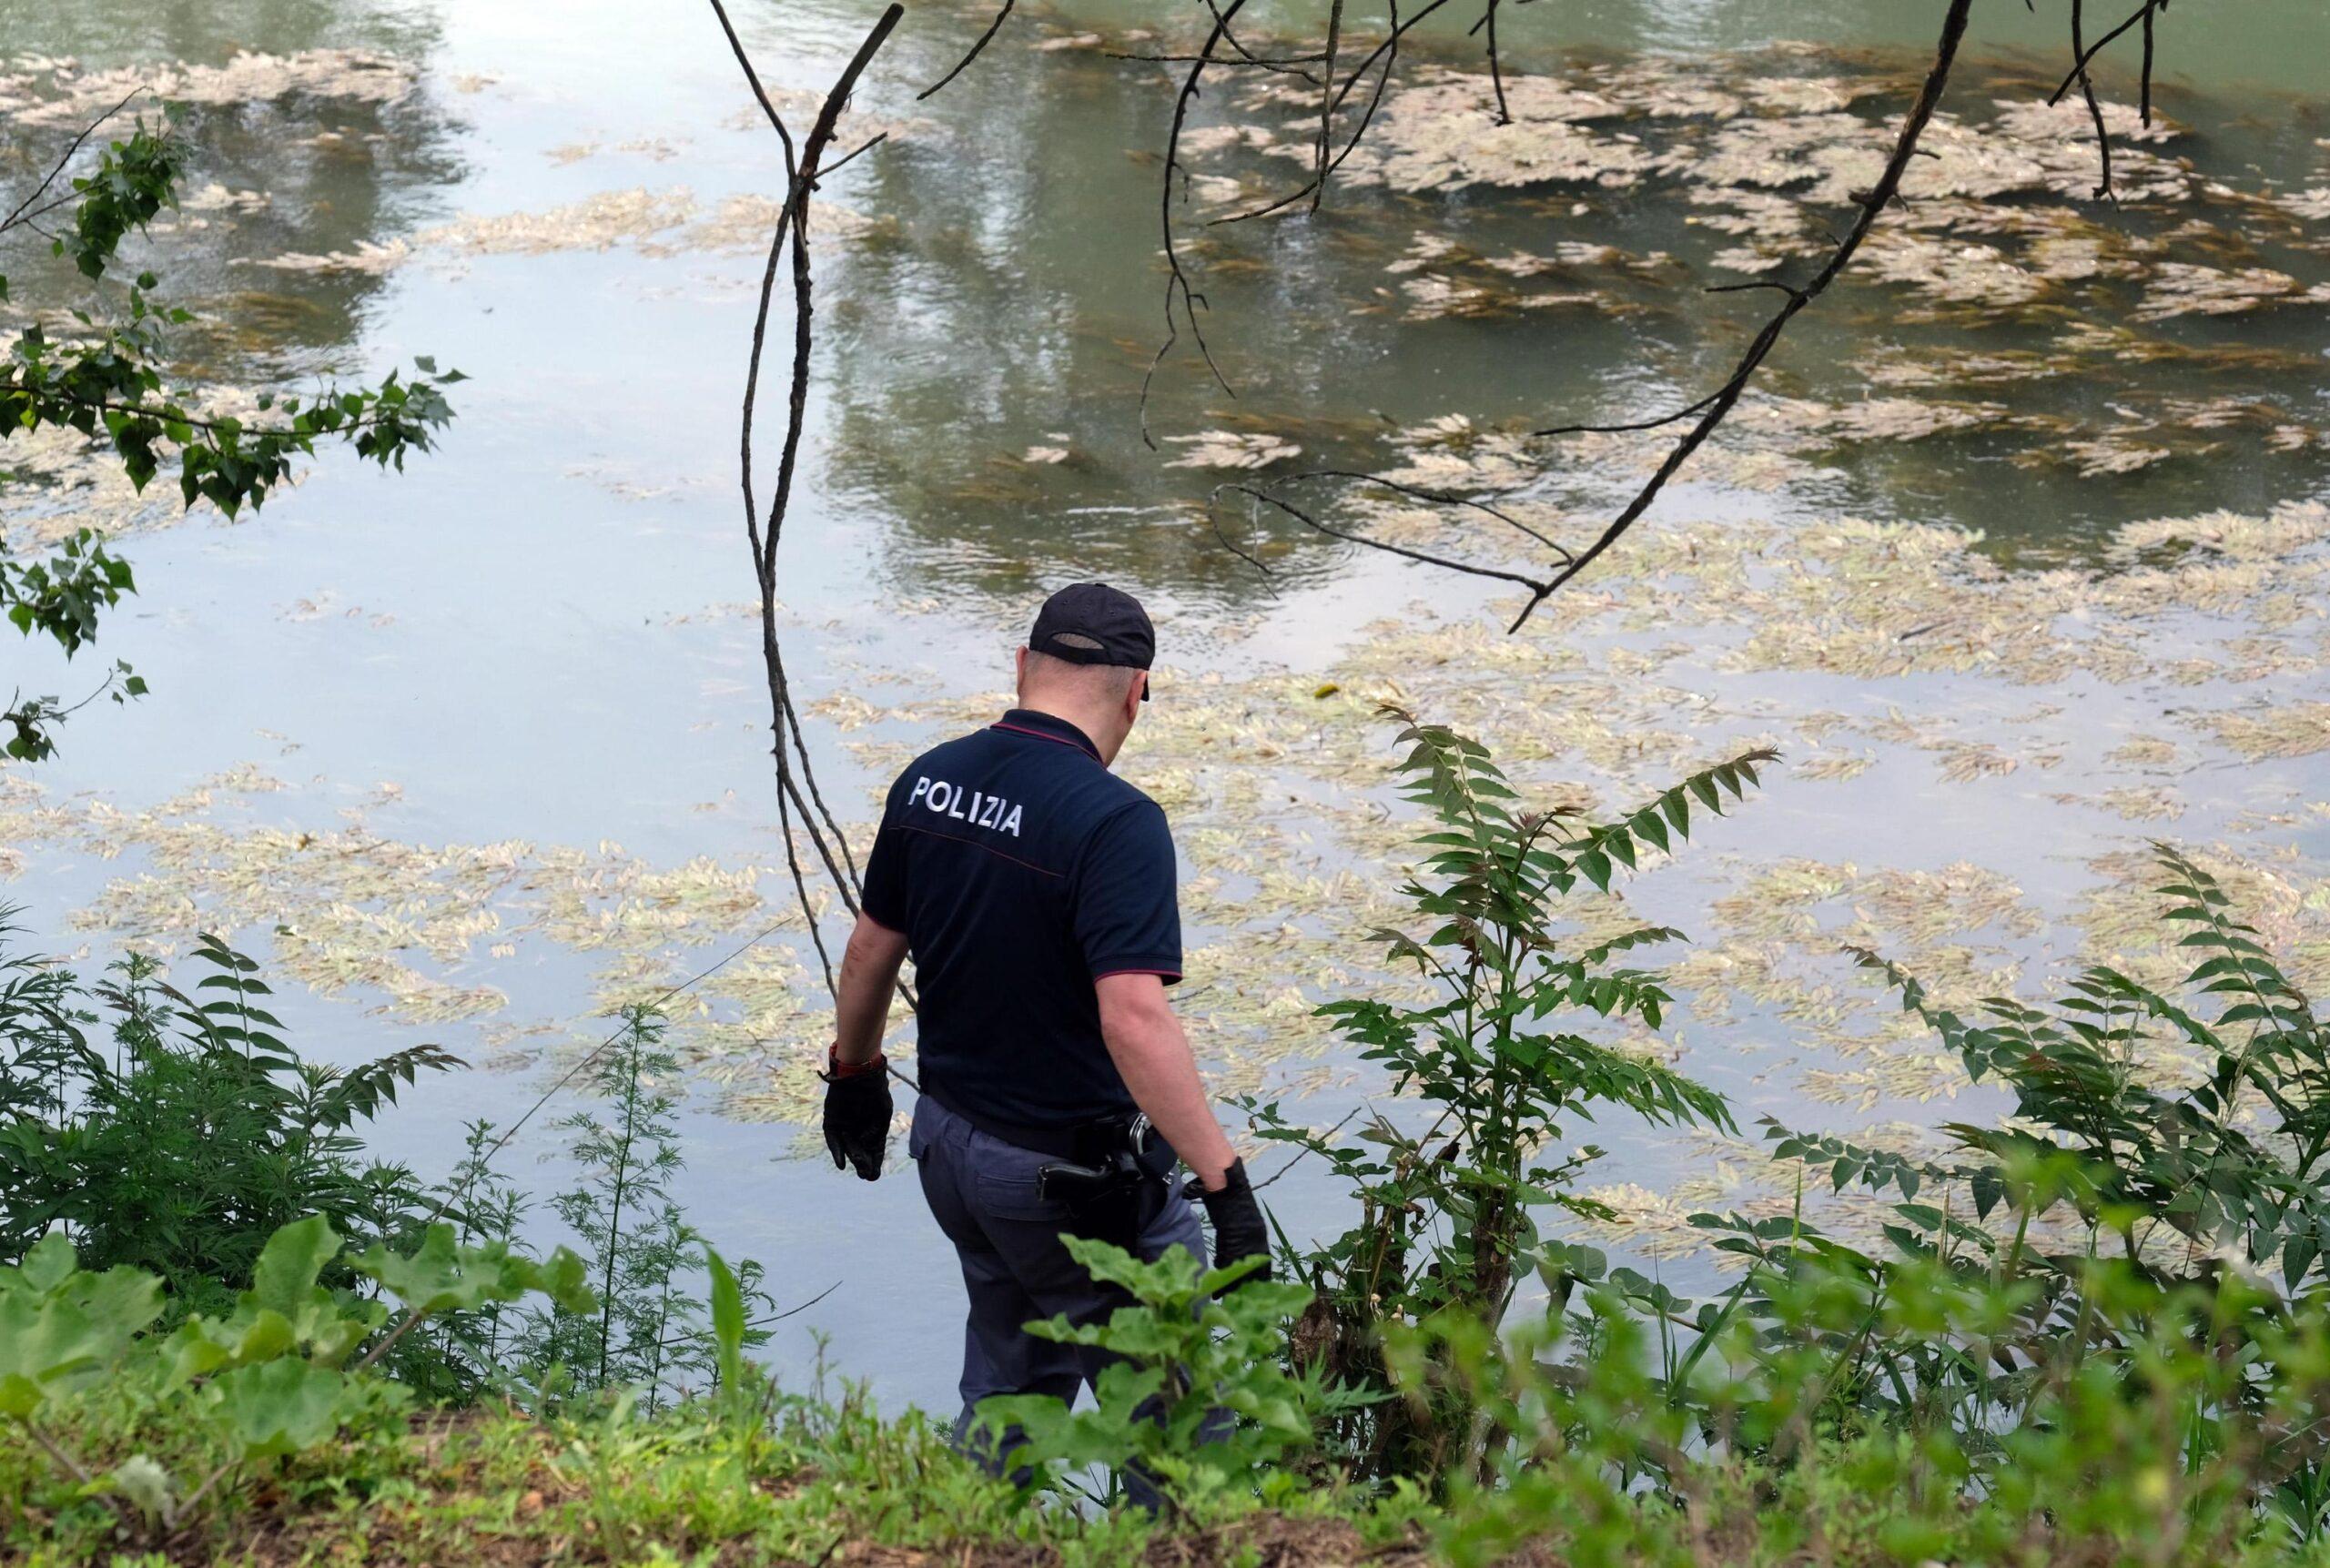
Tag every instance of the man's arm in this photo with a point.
(1153, 1057)
(869, 975)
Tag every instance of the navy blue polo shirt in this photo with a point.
(1020, 871)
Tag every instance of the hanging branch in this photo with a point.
(1496, 65)
(792, 231)
(2094, 108)
(1327, 101)
(2083, 55)
(1388, 53)
(1538, 587)
(1001, 16)
(1177, 281)
(1712, 408)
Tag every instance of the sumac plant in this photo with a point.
(1492, 1071)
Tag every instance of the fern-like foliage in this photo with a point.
(197, 1135)
(1492, 1070)
(2176, 1177)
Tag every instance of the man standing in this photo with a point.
(1034, 889)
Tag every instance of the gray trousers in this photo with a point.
(1015, 1269)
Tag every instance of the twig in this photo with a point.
(1684, 412)
(1714, 408)
(758, 1322)
(1177, 281)
(2094, 108)
(764, 530)
(993, 27)
(59, 167)
(1468, 568)
(1306, 1149)
(1388, 52)
(1440, 498)
(1497, 67)
(56, 1451)
(599, 1049)
(1327, 101)
(2086, 57)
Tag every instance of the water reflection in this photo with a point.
(310, 170)
(986, 357)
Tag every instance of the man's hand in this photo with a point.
(1239, 1230)
(858, 1116)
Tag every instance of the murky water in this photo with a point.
(487, 742)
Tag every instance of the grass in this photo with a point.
(822, 1484)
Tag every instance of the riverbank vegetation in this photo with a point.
(2093, 1331)
(2085, 1325)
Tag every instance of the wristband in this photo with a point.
(836, 1070)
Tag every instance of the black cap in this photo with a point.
(1093, 623)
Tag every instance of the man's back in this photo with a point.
(1021, 871)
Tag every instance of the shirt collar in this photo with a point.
(1045, 727)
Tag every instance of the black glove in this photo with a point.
(1239, 1229)
(857, 1118)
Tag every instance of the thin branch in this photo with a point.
(764, 530)
(2094, 108)
(600, 1049)
(1302, 1153)
(1497, 67)
(65, 1459)
(2084, 58)
(1286, 65)
(1388, 52)
(1213, 515)
(1714, 408)
(1684, 412)
(1177, 281)
(736, 47)
(1441, 498)
(168, 413)
(59, 167)
(986, 37)
(1468, 568)
(1327, 102)
(1237, 45)
(2144, 99)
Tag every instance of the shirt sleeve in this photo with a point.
(1127, 920)
(883, 896)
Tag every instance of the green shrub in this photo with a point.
(1196, 1400)
(1449, 1196)
(197, 1137)
(283, 1371)
(646, 1332)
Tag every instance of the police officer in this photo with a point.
(1034, 890)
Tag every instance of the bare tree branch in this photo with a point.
(1001, 16)
(1388, 52)
(1177, 282)
(2094, 108)
(1327, 101)
(792, 229)
(1715, 408)
(1540, 587)
(1496, 66)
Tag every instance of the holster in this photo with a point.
(1116, 1186)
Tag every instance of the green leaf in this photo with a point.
(727, 1310)
(284, 1280)
(278, 1407)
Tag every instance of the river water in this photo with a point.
(2017, 555)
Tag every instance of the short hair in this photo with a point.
(1109, 682)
